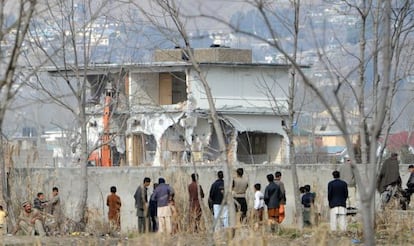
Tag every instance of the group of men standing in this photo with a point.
(274, 198)
(158, 208)
(163, 197)
(155, 212)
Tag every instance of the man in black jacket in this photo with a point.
(40, 202)
(216, 198)
(272, 197)
(337, 196)
(410, 184)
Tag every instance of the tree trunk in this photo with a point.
(367, 205)
(82, 207)
(5, 183)
(292, 94)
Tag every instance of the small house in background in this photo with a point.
(318, 139)
(401, 143)
(159, 111)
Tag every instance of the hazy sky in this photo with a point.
(222, 9)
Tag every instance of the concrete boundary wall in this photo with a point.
(27, 182)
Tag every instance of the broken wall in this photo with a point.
(237, 89)
(144, 89)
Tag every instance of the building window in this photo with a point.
(259, 143)
(252, 147)
(173, 88)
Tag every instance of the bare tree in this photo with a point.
(69, 54)
(373, 107)
(15, 19)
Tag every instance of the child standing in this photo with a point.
(258, 205)
(307, 202)
(113, 201)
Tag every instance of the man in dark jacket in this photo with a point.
(216, 198)
(39, 202)
(410, 183)
(278, 181)
(272, 197)
(141, 204)
(152, 211)
(337, 195)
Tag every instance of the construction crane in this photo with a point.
(106, 160)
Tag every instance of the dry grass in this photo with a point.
(395, 226)
(396, 231)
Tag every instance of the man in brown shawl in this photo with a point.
(389, 177)
(113, 201)
(195, 208)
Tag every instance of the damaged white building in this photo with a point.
(160, 112)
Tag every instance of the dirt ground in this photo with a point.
(392, 228)
(243, 237)
(152, 240)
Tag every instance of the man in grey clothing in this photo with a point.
(141, 204)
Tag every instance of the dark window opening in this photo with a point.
(252, 147)
(99, 82)
(144, 147)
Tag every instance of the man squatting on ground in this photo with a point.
(30, 221)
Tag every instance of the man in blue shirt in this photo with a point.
(163, 194)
